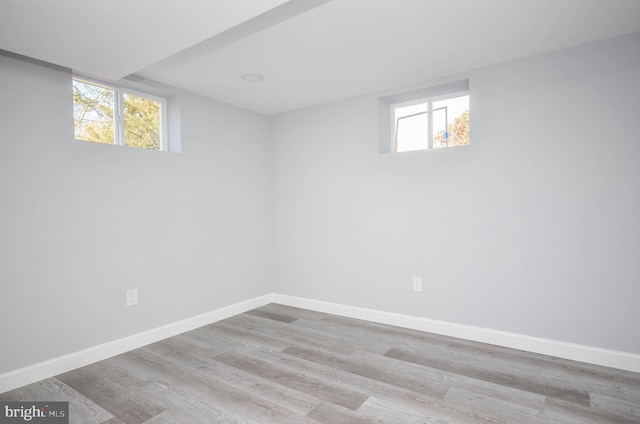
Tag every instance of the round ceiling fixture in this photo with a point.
(252, 77)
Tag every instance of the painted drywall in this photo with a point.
(532, 229)
(80, 222)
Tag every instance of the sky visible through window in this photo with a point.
(94, 110)
(412, 131)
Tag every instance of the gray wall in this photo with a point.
(80, 223)
(533, 229)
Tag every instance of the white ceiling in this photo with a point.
(309, 51)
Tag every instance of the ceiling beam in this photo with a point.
(259, 23)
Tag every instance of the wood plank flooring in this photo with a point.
(283, 365)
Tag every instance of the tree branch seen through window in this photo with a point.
(111, 115)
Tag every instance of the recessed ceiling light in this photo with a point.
(252, 77)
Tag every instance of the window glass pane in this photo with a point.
(412, 124)
(440, 133)
(141, 122)
(456, 128)
(93, 112)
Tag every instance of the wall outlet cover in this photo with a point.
(132, 297)
(417, 284)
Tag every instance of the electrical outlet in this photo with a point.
(417, 284)
(132, 297)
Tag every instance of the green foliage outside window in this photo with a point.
(94, 110)
(141, 122)
(458, 132)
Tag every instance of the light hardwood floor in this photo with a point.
(281, 365)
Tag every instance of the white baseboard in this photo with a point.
(62, 364)
(576, 352)
(55, 366)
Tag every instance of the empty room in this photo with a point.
(320, 211)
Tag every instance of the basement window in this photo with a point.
(105, 113)
(431, 124)
(428, 118)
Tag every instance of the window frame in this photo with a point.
(429, 102)
(386, 142)
(118, 112)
